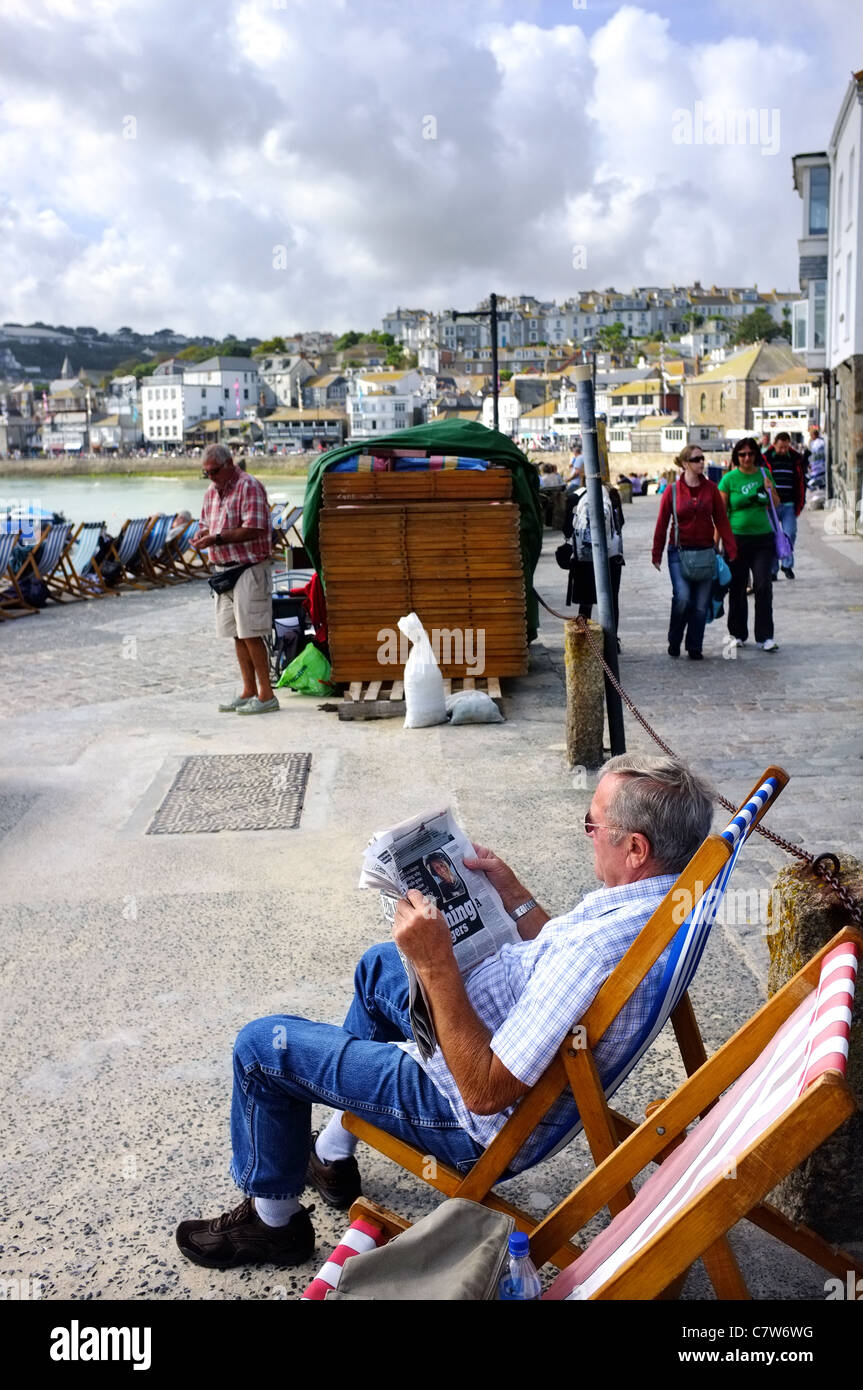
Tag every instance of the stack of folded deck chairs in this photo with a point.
(436, 536)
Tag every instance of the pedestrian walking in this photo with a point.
(581, 588)
(694, 508)
(235, 528)
(745, 489)
(789, 474)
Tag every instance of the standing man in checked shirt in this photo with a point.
(498, 1028)
(235, 528)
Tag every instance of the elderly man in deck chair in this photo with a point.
(498, 1028)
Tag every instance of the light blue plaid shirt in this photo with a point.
(533, 992)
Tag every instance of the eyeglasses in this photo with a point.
(213, 472)
(745, 454)
(591, 825)
(697, 458)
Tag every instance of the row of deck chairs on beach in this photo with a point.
(143, 556)
(147, 555)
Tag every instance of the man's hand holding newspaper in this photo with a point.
(445, 898)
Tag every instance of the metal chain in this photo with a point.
(817, 865)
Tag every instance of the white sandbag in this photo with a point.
(424, 697)
(472, 707)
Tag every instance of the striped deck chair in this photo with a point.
(81, 574)
(573, 1074)
(52, 550)
(186, 561)
(789, 1096)
(158, 561)
(127, 550)
(12, 602)
(786, 1072)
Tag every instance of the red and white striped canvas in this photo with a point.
(360, 1236)
(813, 1040)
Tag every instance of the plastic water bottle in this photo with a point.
(521, 1280)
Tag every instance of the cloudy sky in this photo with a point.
(261, 166)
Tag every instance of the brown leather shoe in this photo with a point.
(338, 1183)
(240, 1237)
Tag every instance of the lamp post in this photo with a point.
(599, 549)
(491, 314)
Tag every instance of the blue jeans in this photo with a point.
(282, 1064)
(688, 606)
(788, 521)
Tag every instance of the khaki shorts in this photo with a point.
(247, 610)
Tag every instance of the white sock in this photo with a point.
(276, 1211)
(334, 1142)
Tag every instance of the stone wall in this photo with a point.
(846, 438)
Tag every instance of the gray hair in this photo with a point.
(665, 801)
(217, 453)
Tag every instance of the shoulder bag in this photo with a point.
(695, 565)
(781, 541)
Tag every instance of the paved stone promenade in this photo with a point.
(129, 961)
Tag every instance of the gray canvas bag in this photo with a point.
(457, 1252)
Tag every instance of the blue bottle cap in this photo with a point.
(519, 1243)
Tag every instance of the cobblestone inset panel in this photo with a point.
(235, 791)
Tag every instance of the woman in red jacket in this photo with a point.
(699, 514)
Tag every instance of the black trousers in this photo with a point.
(581, 588)
(754, 555)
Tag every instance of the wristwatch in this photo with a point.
(524, 908)
(217, 539)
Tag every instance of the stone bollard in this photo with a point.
(826, 1191)
(585, 698)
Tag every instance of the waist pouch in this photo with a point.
(224, 581)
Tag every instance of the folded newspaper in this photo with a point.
(427, 853)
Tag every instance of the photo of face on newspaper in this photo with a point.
(445, 884)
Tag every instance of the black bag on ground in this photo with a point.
(33, 591)
(224, 580)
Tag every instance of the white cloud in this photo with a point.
(306, 126)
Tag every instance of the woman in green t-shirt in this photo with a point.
(744, 490)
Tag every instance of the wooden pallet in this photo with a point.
(386, 699)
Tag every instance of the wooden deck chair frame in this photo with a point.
(700, 1229)
(194, 562)
(158, 560)
(86, 582)
(130, 580)
(17, 606)
(177, 550)
(573, 1068)
(51, 571)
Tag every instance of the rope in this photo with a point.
(824, 866)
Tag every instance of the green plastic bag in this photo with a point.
(308, 673)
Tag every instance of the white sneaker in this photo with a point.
(739, 642)
(769, 645)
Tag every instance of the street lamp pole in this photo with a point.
(494, 382)
(599, 548)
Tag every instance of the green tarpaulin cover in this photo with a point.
(467, 439)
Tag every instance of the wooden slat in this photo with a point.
(373, 691)
(447, 687)
(354, 690)
(590, 1100)
(398, 690)
(494, 688)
